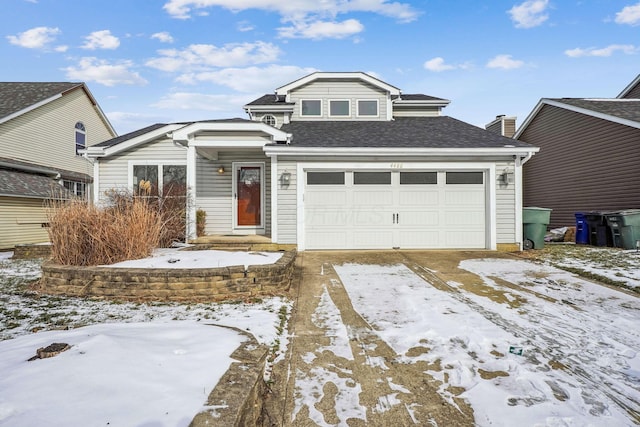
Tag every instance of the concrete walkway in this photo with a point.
(362, 384)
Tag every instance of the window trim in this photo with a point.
(275, 120)
(310, 115)
(82, 130)
(348, 101)
(157, 163)
(377, 101)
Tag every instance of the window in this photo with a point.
(269, 119)
(368, 107)
(78, 189)
(311, 107)
(81, 138)
(160, 180)
(372, 178)
(465, 177)
(339, 108)
(325, 178)
(412, 178)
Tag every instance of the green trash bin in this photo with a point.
(535, 222)
(626, 226)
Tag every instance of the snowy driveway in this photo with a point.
(461, 320)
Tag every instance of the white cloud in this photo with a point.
(204, 102)
(322, 29)
(437, 64)
(35, 38)
(105, 73)
(163, 36)
(101, 40)
(296, 10)
(204, 56)
(61, 48)
(250, 79)
(244, 26)
(506, 62)
(627, 49)
(529, 14)
(629, 15)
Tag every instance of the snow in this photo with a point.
(580, 364)
(174, 258)
(135, 364)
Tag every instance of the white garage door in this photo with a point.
(394, 209)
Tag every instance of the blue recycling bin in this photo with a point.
(582, 229)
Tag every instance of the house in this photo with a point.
(590, 154)
(43, 127)
(334, 161)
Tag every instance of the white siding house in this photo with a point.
(339, 161)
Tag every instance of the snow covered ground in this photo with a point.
(129, 364)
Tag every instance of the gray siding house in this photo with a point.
(334, 161)
(43, 128)
(589, 155)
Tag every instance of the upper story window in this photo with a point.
(81, 137)
(311, 108)
(339, 107)
(368, 107)
(269, 119)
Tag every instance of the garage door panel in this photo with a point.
(337, 197)
(464, 197)
(371, 217)
(419, 218)
(462, 218)
(327, 217)
(419, 198)
(373, 198)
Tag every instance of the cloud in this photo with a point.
(244, 26)
(629, 15)
(250, 79)
(322, 29)
(296, 10)
(101, 40)
(506, 62)
(105, 73)
(35, 38)
(206, 102)
(163, 36)
(627, 49)
(205, 56)
(438, 65)
(529, 14)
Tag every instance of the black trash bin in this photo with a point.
(614, 222)
(599, 232)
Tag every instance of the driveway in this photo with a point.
(453, 338)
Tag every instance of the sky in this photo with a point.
(150, 61)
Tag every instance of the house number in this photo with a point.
(396, 165)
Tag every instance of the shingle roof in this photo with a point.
(122, 138)
(628, 109)
(16, 96)
(23, 166)
(270, 99)
(24, 184)
(417, 97)
(403, 132)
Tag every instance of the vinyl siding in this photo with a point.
(287, 204)
(114, 171)
(584, 164)
(505, 208)
(214, 192)
(46, 135)
(413, 111)
(326, 90)
(21, 221)
(633, 93)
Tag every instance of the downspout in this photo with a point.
(519, 199)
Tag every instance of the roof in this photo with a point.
(14, 183)
(16, 96)
(630, 87)
(122, 138)
(417, 97)
(271, 99)
(30, 167)
(403, 132)
(356, 75)
(628, 109)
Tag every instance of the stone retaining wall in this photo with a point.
(30, 251)
(168, 284)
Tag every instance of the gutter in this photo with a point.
(34, 169)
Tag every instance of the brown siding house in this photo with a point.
(589, 157)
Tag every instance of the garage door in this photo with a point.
(394, 209)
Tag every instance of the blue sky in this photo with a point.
(149, 61)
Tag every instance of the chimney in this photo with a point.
(503, 125)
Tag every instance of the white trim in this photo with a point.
(275, 119)
(585, 111)
(630, 86)
(285, 150)
(518, 200)
(186, 133)
(258, 229)
(348, 101)
(310, 115)
(284, 90)
(191, 193)
(96, 182)
(491, 233)
(274, 199)
(228, 144)
(158, 163)
(367, 100)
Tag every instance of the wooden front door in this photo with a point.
(248, 195)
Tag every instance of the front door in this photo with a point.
(248, 194)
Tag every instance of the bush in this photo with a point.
(201, 220)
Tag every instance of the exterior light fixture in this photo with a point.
(285, 178)
(220, 170)
(506, 177)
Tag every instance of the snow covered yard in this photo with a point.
(129, 364)
(579, 363)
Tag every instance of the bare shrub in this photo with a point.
(201, 222)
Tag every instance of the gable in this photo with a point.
(632, 91)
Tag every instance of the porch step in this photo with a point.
(235, 247)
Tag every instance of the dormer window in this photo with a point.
(81, 138)
(339, 108)
(367, 108)
(269, 120)
(311, 108)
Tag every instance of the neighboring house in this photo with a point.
(590, 154)
(43, 126)
(334, 161)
